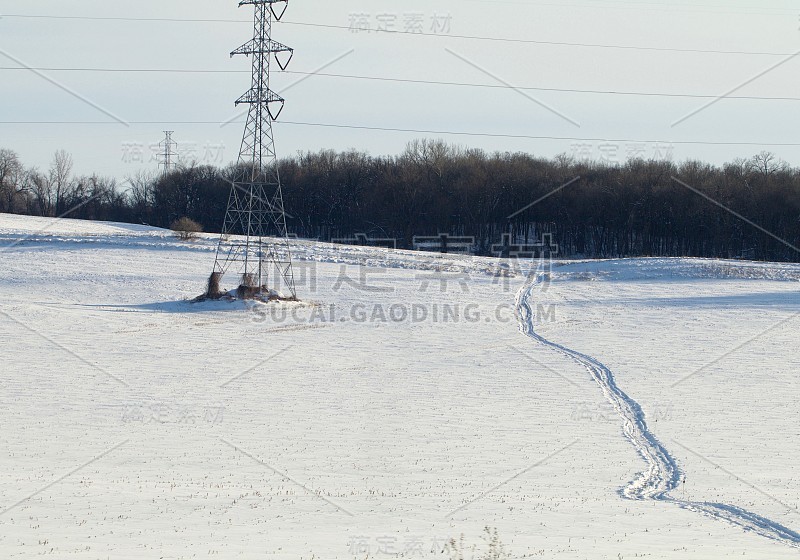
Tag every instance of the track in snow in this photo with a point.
(663, 474)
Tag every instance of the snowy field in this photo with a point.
(616, 409)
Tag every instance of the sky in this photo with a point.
(528, 51)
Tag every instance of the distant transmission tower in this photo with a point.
(255, 207)
(169, 150)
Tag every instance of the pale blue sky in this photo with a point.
(114, 149)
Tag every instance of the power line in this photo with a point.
(550, 43)
(523, 136)
(424, 131)
(421, 34)
(654, 6)
(417, 81)
(559, 90)
(133, 70)
(124, 18)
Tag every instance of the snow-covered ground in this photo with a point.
(412, 399)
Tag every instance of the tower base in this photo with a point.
(245, 291)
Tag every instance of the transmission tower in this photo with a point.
(169, 148)
(255, 208)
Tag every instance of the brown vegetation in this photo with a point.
(186, 229)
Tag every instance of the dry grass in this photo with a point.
(186, 229)
(213, 290)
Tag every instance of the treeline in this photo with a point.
(55, 191)
(640, 208)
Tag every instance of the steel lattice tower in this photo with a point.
(168, 145)
(255, 208)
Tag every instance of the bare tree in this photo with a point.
(142, 189)
(60, 179)
(42, 191)
(767, 163)
(12, 181)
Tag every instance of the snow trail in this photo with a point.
(662, 474)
